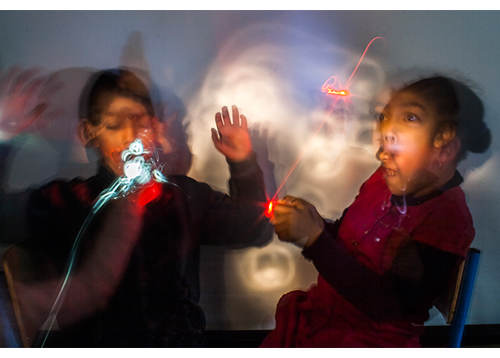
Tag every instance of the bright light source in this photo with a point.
(132, 169)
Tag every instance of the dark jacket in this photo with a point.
(155, 304)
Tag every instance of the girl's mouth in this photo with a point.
(116, 156)
(390, 172)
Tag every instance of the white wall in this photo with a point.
(272, 65)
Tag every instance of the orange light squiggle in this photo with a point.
(330, 89)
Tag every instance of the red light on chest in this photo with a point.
(149, 193)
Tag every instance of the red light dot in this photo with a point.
(270, 209)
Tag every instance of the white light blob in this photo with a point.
(133, 169)
(269, 268)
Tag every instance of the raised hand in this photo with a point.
(231, 137)
(22, 100)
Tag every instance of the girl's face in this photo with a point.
(407, 127)
(122, 122)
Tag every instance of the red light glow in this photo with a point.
(270, 208)
(149, 193)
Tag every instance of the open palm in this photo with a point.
(231, 137)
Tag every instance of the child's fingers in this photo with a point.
(225, 116)
(244, 124)
(215, 138)
(283, 231)
(282, 209)
(236, 116)
(291, 201)
(218, 120)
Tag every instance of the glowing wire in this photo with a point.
(338, 93)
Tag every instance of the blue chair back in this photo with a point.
(464, 298)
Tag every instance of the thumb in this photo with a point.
(215, 138)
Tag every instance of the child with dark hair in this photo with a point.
(135, 276)
(396, 247)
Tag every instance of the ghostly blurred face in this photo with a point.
(407, 127)
(122, 122)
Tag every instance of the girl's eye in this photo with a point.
(113, 127)
(411, 118)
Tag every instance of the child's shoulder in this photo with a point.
(448, 222)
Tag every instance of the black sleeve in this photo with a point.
(417, 275)
(236, 220)
(247, 181)
(55, 215)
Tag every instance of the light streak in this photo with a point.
(338, 92)
(137, 172)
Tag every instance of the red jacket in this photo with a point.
(380, 267)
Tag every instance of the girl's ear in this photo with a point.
(156, 125)
(447, 143)
(86, 133)
(160, 130)
(445, 135)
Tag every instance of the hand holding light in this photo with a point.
(296, 221)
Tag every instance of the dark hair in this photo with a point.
(458, 105)
(102, 87)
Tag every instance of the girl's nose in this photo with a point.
(388, 145)
(388, 132)
(130, 132)
(389, 138)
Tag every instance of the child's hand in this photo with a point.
(297, 221)
(21, 101)
(232, 138)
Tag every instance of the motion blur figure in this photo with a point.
(396, 247)
(136, 276)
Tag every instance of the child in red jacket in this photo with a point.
(394, 249)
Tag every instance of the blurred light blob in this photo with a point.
(268, 268)
(274, 74)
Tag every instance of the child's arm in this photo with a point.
(237, 218)
(418, 272)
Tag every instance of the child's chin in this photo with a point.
(394, 188)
